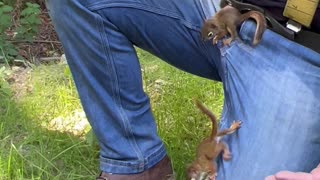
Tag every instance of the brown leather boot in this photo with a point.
(161, 171)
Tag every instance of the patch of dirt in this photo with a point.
(45, 44)
(76, 123)
(19, 81)
(45, 48)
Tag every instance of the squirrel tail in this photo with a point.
(261, 24)
(207, 112)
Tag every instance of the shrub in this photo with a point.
(28, 27)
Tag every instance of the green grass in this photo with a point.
(34, 147)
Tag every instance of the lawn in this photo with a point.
(44, 133)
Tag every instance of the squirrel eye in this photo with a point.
(210, 34)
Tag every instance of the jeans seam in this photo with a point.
(144, 7)
(207, 54)
(151, 160)
(156, 154)
(116, 89)
(224, 115)
(223, 121)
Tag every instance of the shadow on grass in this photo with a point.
(30, 151)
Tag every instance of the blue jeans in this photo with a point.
(273, 88)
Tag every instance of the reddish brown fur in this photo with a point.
(226, 21)
(209, 148)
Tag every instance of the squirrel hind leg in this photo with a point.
(226, 154)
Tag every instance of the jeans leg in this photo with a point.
(274, 89)
(98, 38)
(168, 29)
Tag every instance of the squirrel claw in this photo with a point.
(236, 125)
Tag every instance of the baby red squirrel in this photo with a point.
(226, 21)
(204, 166)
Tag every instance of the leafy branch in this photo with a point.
(29, 26)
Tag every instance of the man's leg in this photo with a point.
(98, 38)
(274, 90)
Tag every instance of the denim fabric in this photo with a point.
(272, 88)
(98, 38)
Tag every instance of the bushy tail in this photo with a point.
(211, 116)
(261, 24)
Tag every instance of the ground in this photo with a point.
(46, 47)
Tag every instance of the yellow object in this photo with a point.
(301, 11)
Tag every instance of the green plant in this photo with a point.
(7, 49)
(5, 18)
(9, 2)
(29, 22)
(4, 85)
